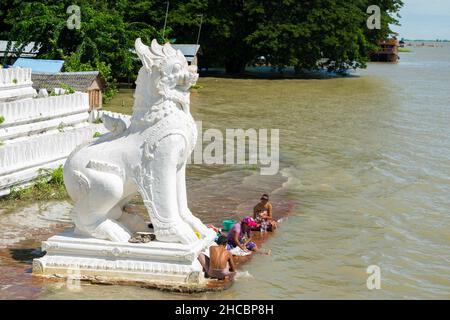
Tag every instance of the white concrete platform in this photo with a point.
(155, 263)
(15, 84)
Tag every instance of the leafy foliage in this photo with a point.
(48, 186)
(68, 89)
(306, 34)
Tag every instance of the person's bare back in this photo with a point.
(219, 257)
(219, 264)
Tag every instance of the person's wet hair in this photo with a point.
(222, 240)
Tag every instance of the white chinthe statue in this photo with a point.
(147, 156)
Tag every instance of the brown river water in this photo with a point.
(364, 174)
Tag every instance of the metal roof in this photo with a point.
(40, 66)
(189, 50)
(27, 51)
(80, 81)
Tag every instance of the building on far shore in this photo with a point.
(388, 51)
(90, 82)
(190, 51)
(29, 51)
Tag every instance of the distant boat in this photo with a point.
(388, 51)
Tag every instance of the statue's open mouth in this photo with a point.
(186, 81)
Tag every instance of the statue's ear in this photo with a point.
(144, 54)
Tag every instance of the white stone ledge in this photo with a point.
(165, 264)
(115, 115)
(17, 94)
(42, 126)
(70, 243)
(44, 148)
(25, 177)
(34, 110)
(15, 76)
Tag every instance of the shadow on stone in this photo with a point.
(26, 255)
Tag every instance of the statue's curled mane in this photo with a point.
(170, 78)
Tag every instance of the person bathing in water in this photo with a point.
(240, 235)
(220, 264)
(262, 213)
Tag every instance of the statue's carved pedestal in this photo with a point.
(156, 264)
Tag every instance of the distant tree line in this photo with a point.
(306, 34)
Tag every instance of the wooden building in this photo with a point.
(90, 81)
(388, 51)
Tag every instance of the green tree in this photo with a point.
(307, 34)
(103, 42)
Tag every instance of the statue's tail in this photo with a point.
(115, 123)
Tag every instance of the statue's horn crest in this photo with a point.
(156, 53)
(156, 50)
(143, 52)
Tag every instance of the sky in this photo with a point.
(425, 19)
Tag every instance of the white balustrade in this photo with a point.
(15, 77)
(43, 148)
(32, 110)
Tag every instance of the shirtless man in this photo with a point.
(263, 211)
(220, 264)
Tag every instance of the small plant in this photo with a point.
(49, 185)
(15, 81)
(98, 121)
(97, 135)
(68, 89)
(2, 143)
(196, 87)
(61, 127)
(2, 119)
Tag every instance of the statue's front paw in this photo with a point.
(196, 224)
(178, 232)
(211, 234)
(113, 231)
(204, 231)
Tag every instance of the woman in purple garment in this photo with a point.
(240, 235)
